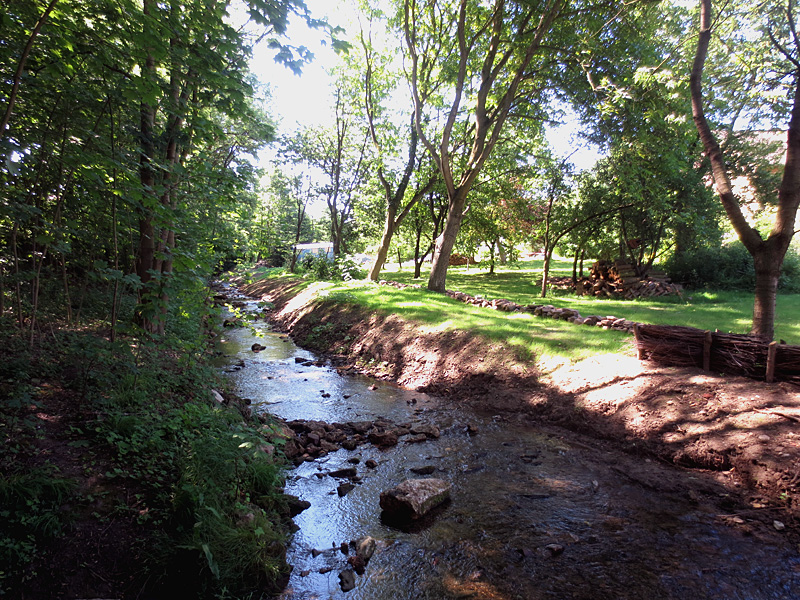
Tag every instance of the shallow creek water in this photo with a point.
(535, 513)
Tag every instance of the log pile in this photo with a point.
(619, 280)
(458, 260)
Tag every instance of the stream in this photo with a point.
(534, 513)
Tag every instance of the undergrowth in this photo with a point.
(198, 483)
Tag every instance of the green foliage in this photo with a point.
(16, 369)
(790, 273)
(321, 268)
(225, 468)
(728, 267)
(31, 512)
(199, 466)
(200, 480)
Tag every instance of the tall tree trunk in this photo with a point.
(447, 240)
(298, 230)
(768, 272)
(548, 251)
(417, 258)
(386, 240)
(115, 237)
(548, 255)
(65, 278)
(575, 266)
(501, 250)
(17, 287)
(147, 179)
(35, 292)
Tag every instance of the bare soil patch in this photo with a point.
(745, 433)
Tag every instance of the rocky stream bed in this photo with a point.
(534, 510)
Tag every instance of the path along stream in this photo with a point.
(535, 513)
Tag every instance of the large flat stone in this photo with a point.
(414, 498)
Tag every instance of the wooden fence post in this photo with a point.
(707, 351)
(639, 347)
(772, 351)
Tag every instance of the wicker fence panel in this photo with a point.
(729, 353)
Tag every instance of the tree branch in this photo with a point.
(12, 97)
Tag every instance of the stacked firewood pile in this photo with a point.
(619, 280)
(459, 260)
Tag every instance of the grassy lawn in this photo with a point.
(724, 310)
(547, 340)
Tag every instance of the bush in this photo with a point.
(321, 268)
(790, 273)
(228, 536)
(31, 513)
(728, 268)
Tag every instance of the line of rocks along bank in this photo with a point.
(540, 310)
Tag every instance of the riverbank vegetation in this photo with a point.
(122, 475)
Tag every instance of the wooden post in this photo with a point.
(707, 351)
(639, 346)
(772, 351)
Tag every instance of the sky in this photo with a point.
(306, 99)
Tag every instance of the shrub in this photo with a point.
(790, 273)
(728, 267)
(31, 513)
(321, 268)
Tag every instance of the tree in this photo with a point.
(339, 155)
(190, 58)
(424, 225)
(128, 137)
(499, 210)
(402, 184)
(288, 202)
(768, 254)
(505, 58)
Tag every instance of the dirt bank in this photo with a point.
(745, 432)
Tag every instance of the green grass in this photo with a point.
(545, 339)
(517, 283)
(548, 341)
(729, 311)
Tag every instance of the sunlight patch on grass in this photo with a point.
(415, 303)
(727, 311)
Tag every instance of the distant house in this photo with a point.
(316, 248)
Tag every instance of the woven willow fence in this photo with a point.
(728, 353)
